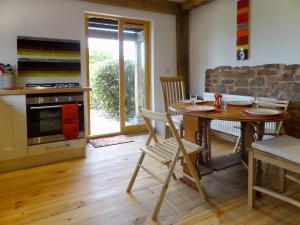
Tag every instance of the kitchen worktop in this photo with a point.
(26, 91)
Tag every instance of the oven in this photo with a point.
(44, 122)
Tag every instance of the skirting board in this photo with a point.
(32, 161)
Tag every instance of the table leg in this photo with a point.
(246, 139)
(206, 139)
(202, 139)
(209, 138)
(260, 133)
(247, 134)
(199, 140)
(193, 133)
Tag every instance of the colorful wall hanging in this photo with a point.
(242, 43)
(44, 57)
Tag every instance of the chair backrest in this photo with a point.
(278, 104)
(274, 103)
(149, 116)
(173, 90)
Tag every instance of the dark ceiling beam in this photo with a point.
(191, 4)
(182, 42)
(147, 5)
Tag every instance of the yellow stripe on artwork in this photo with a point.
(69, 54)
(243, 10)
(50, 74)
(242, 47)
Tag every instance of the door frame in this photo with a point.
(123, 21)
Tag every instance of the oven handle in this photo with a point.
(56, 147)
(49, 107)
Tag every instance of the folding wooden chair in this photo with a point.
(167, 152)
(282, 151)
(173, 90)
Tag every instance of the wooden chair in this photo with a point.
(173, 90)
(282, 151)
(275, 104)
(167, 152)
(269, 103)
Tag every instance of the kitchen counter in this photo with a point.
(26, 91)
(18, 119)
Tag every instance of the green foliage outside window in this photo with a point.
(104, 70)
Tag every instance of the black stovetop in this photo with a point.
(53, 85)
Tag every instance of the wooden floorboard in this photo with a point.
(91, 191)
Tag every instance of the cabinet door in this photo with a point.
(13, 128)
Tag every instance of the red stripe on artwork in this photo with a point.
(242, 4)
(243, 18)
(242, 40)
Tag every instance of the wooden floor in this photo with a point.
(92, 191)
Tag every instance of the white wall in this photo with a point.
(65, 19)
(274, 36)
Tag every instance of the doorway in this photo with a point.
(118, 71)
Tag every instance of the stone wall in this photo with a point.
(271, 80)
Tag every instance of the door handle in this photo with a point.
(56, 147)
(49, 106)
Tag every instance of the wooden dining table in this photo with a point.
(197, 129)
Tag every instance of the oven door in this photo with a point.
(44, 123)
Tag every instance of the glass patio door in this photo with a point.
(134, 73)
(119, 74)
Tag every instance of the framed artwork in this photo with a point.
(242, 42)
(44, 57)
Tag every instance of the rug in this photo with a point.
(115, 140)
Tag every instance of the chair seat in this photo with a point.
(177, 119)
(286, 147)
(164, 151)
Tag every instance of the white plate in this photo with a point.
(240, 103)
(263, 112)
(200, 108)
(188, 101)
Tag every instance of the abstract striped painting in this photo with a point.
(44, 57)
(242, 43)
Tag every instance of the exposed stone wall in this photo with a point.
(271, 80)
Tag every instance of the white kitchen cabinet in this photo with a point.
(56, 147)
(13, 128)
